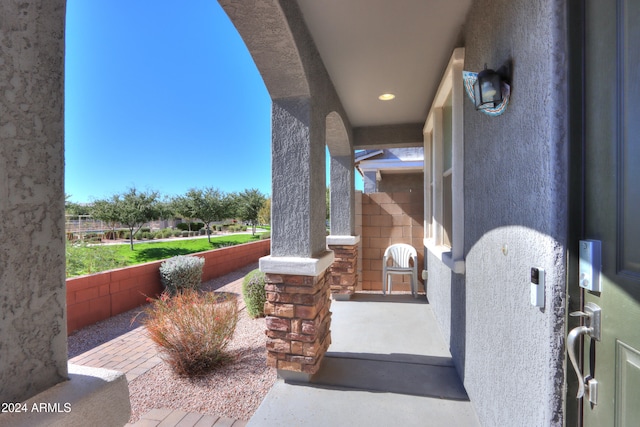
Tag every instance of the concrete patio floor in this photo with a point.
(387, 365)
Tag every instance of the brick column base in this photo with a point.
(344, 272)
(298, 321)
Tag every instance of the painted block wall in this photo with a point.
(391, 183)
(389, 218)
(97, 297)
(509, 353)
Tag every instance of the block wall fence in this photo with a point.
(97, 297)
(389, 218)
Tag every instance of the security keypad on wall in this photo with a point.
(590, 265)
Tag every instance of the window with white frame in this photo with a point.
(443, 168)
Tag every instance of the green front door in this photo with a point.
(612, 207)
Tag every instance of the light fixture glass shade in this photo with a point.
(488, 89)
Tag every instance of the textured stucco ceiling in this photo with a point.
(370, 47)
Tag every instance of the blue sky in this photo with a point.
(161, 95)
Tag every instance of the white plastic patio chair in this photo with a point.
(404, 260)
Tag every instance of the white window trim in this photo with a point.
(451, 83)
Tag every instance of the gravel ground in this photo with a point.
(234, 391)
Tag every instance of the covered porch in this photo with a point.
(388, 364)
(495, 207)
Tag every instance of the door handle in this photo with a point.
(571, 341)
(592, 315)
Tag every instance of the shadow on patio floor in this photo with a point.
(387, 365)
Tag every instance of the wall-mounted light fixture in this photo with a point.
(489, 90)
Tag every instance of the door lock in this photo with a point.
(592, 328)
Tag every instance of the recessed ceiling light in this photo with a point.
(386, 97)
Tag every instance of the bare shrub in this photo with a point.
(192, 329)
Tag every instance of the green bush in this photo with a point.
(254, 293)
(264, 236)
(177, 233)
(192, 330)
(92, 238)
(195, 226)
(145, 229)
(167, 232)
(181, 272)
(218, 227)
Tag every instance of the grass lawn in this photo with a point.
(89, 259)
(153, 251)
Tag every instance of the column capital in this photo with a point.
(297, 265)
(342, 240)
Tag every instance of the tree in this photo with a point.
(137, 208)
(249, 204)
(181, 207)
(232, 205)
(207, 205)
(165, 209)
(75, 209)
(107, 210)
(264, 216)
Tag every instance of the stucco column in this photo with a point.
(298, 181)
(342, 196)
(33, 332)
(298, 296)
(370, 182)
(342, 241)
(33, 324)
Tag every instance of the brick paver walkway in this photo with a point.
(170, 417)
(133, 354)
